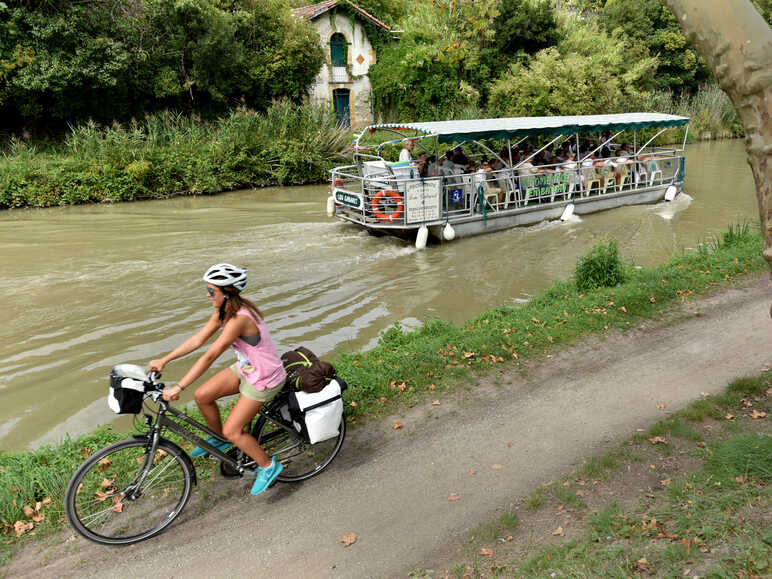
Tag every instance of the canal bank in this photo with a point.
(88, 287)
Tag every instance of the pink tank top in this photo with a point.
(260, 365)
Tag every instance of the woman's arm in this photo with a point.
(235, 327)
(193, 343)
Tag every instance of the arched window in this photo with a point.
(338, 49)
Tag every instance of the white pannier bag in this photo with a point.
(317, 415)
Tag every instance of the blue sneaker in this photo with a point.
(217, 443)
(264, 477)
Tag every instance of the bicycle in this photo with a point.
(134, 489)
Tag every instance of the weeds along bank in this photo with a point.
(168, 153)
(406, 367)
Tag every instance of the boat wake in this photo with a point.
(669, 209)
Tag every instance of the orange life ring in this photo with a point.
(381, 195)
(335, 184)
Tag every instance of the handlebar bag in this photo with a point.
(125, 395)
(318, 414)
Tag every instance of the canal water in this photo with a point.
(85, 288)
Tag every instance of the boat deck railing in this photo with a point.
(374, 192)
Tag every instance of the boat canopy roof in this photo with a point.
(453, 131)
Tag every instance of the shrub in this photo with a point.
(600, 267)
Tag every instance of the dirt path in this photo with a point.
(391, 487)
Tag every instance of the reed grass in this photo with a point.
(171, 153)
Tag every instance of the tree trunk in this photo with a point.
(736, 43)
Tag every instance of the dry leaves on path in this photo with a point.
(559, 532)
(486, 552)
(348, 539)
(658, 440)
(496, 467)
(453, 497)
(397, 425)
(756, 414)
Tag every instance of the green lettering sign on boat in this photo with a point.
(350, 199)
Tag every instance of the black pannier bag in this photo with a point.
(305, 371)
(127, 389)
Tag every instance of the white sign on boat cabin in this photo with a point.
(422, 201)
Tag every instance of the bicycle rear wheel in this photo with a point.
(301, 460)
(121, 495)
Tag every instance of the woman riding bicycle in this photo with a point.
(257, 375)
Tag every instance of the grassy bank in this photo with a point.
(167, 154)
(690, 497)
(408, 366)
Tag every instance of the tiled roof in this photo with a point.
(315, 10)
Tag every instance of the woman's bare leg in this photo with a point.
(224, 383)
(242, 413)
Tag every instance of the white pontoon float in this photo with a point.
(393, 198)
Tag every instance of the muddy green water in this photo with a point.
(85, 288)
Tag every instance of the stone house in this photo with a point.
(342, 80)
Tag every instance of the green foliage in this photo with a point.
(411, 80)
(170, 153)
(525, 26)
(600, 267)
(650, 24)
(112, 60)
(749, 454)
(589, 72)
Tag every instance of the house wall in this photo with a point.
(358, 45)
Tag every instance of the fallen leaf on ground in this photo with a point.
(664, 482)
(384, 400)
(21, 527)
(353, 404)
(496, 467)
(349, 539)
(661, 406)
(561, 507)
(106, 483)
(510, 538)
(28, 511)
(453, 497)
(47, 501)
(729, 416)
(397, 425)
(704, 394)
(468, 355)
(436, 402)
(486, 552)
(472, 472)
(756, 414)
(509, 444)
(742, 479)
(642, 561)
(559, 532)
(104, 464)
(118, 507)
(567, 483)
(702, 444)
(579, 493)
(658, 440)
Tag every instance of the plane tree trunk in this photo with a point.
(736, 43)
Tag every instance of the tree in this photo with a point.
(736, 43)
(652, 25)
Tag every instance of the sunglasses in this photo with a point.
(210, 291)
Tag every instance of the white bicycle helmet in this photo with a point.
(225, 274)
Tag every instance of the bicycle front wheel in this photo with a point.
(122, 495)
(301, 460)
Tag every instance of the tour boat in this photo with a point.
(517, 184)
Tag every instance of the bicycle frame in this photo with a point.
(162, 421)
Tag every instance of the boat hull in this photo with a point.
(477, 224)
